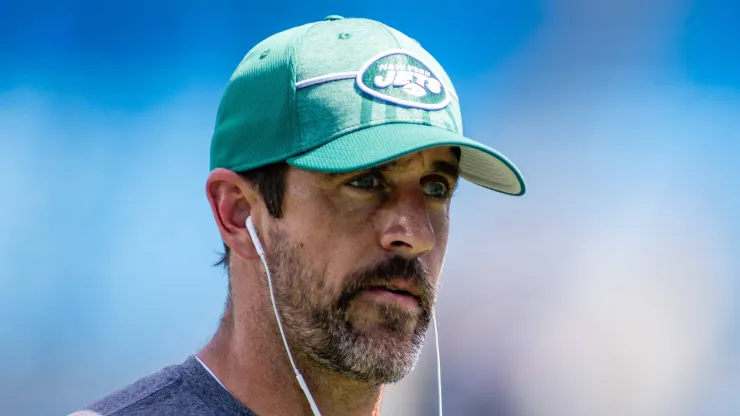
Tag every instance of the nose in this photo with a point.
(407, 230)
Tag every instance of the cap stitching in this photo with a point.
(301, 151)
(386, 121)
(352, 128)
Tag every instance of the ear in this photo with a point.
(232, 200)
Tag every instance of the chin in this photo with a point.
(384, 361)
(386, 320)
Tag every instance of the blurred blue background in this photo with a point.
(609, 289)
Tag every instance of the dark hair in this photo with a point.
(270, 183)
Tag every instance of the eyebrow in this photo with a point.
(385, 167)
(438, 166)
(446, 168)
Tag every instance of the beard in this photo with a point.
(321, 324)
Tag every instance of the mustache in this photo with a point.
(397, 267)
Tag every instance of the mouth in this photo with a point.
(395, 294)
(394, 289)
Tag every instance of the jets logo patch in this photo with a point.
(401, 78)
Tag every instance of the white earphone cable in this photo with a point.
(439, 364)
(301, 381)
(436, 344)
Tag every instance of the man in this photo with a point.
(337, 148)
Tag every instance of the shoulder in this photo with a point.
(161, 393)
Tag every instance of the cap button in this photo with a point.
(333, 17)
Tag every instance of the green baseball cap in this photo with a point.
(341, 95)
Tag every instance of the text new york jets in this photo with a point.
(401, 78)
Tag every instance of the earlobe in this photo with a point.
(232, 201)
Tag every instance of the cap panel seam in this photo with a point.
(388, 32)
(296, 48)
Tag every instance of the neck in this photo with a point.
(249, 358)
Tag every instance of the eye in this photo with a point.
(365, 182)
(437, 188)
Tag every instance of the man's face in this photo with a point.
(356, 261)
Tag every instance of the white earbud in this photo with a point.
(255, 238)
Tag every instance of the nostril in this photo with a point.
(398, 243)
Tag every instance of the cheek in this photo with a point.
(327, 233)
(330, 240)
(441, 224)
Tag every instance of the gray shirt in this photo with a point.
(185, 389)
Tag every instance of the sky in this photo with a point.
(609, 288)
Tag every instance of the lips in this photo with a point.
(400, 298)
(399, 290)
(394, 289)
(400, 286)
